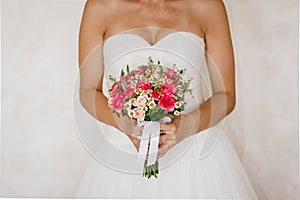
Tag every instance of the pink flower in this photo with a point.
(144, 85)
(116, 92)
(141, 101)
(139, 114)
(113, 86)
(170, 74)
(129, 91)
(167, 103)
(155, 94)
(168, 89)
(127, 77)
(116, 84)
(137, 72)
(117, 103)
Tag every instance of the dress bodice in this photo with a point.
(185, 49)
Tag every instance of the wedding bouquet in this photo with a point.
(149, 93)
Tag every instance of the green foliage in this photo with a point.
(127, 69)
(156, 113)
(151, 170)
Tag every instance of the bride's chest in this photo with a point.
(187, 45)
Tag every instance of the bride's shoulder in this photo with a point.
(209, 10)
(208, 7)
(100, 4)
(100, 7)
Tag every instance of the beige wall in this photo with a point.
(265, 35)
(41, 154)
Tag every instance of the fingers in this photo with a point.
(135, 142)
(137, 131)
(164, 149)
(168, 127)
(162, 140)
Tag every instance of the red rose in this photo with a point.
(155, 94)
(144, 85)
(167, 103)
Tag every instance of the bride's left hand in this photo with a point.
(170, 135)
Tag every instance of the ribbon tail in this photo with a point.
(154, 140)
(143, 149)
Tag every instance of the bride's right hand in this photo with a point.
(131, 129)
(137, 131)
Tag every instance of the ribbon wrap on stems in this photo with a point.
(151, 132)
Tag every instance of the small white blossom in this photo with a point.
(138, 77)
(138, 91)
(127, 105)
(145, 109)
(180, 93)
(176, 112)
(131, 113)
(132, 101)
(169, 81)
(151, 104)
(178, 104)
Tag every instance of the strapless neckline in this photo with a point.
(196, 36)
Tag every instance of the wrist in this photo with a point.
(187, 126)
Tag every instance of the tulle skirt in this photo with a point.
(218, 175)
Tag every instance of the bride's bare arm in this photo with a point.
(220, 60)
(92, 30)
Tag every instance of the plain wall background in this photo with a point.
(41, 153)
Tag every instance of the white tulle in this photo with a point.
(219, 174)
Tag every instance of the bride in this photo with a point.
(191, 33)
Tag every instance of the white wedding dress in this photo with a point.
(184, 172)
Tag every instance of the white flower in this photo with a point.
(169, 81)
(178, 104)
(131, 113)
(132, 101)
(141, 101)
(180, 93)
(151, 104)
(162, 81)
(138, 91)
(149, 91)
(127, 105)
(176, 112)
(145, 109)
(138, 77)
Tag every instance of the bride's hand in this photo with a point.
(171, 134)
(168, 136)
(137, 131)
(131, 129)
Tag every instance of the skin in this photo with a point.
(207, 18)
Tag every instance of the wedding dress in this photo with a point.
(185, 171)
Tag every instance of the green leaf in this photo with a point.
(156, 113)
(127, 69)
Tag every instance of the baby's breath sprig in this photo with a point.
(112, 78)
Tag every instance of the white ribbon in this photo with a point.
(151, 131)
